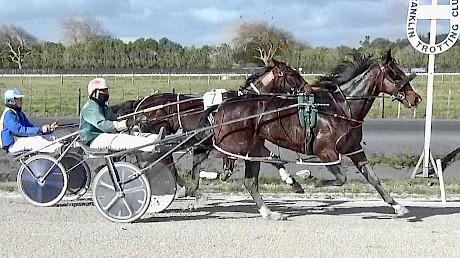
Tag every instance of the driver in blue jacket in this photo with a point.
(18, 134)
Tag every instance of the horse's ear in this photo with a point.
(275, 62)
(388, 57)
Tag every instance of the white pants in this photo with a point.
(42, 143)
(119, 142)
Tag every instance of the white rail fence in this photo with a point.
(46, 100)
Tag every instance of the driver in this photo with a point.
(100, 128)
(18, 134)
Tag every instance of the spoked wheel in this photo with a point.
(78, 176)
(42, 180)
(131, 203)
(162, 186)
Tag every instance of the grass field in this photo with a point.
(59, 96)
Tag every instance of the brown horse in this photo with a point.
(188, 116)
(338, 130)
(280, 78)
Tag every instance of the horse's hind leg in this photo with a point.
(199, 155)
(251, 182)
(285, 176)
(340, 177)
(228, 166)
(360, 162)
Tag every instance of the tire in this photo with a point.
(162, 186)
(78, 176)
(37, 189)
(136, 193)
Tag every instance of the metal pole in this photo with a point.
(429, 107)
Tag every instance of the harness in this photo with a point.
(308, 115)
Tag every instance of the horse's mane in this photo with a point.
(345, 71)
(125, 107)
(129, 106)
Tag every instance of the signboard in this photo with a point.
(433, 12)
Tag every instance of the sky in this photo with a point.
(319, 23)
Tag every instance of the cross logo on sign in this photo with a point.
(433, 12)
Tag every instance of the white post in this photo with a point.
(433, 13)
(441, 181)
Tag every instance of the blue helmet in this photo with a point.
(11, 94)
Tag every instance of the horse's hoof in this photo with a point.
(400, 210)
(276, 216)
(181, 192)
(297, 188)
(223, 177)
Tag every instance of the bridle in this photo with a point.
(284, 84)
(383, 73)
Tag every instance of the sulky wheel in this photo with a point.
(131, 203)
(162, 186)
(42, 180)
(78, 176)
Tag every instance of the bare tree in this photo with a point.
(81, 30)
(16, 43)
(263, 41)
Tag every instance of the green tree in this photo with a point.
(262, 41)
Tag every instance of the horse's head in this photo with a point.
(279, 78)
(396, 83)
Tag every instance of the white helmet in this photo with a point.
(11, 94)
(97, 84)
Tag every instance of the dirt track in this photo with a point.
(229, 226)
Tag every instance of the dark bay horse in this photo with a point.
(188, 116)
(338, 130)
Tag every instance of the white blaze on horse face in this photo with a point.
(267, 78)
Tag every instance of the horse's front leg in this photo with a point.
(251, 182)
(329, 155)
(360, 162)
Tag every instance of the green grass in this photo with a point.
(403, 188)
(398, 188)
(58, 96)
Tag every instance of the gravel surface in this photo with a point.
(230, 226)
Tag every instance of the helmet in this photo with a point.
(97, 84)
(10, 94)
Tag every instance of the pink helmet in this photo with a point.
(97, 84)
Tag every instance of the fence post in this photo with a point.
(30, 101)
(79, 102)
(62, 79)
(209, 79)
(383, 105)
(44, 97)
(448, 102)
(60, 102)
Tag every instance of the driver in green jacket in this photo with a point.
(100, 128)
